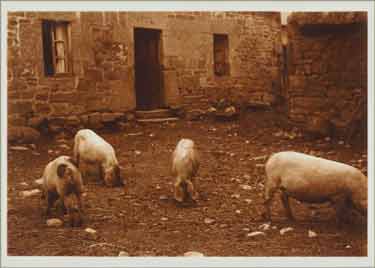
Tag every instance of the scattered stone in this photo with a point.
(90, 231)
(193, 254)
(208, 221)
(54, 222)
(50, 151)
(123, 254)
(348, 246)
(285, 230)
(312, 234)
(259, 165)
(238, 211)
(152, 135)
(262, 157)
(341, 142)
(265, 226)
(22, 134)
(245, 187)
(164, 218)
(19, 148)
(137, 152)
(256, 233)
(163, 197)
(246, 176)
(223, 225)
(246, 229)
(29, 193)
(24, 184)
(249, 201)
(39, 181)
(236, 196)
(274, 227)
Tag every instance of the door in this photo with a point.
(147, 69)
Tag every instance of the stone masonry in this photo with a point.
(101, 87)
(327, 66)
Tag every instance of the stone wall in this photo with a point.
(101, 86)
(327, 66)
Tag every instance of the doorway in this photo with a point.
(148, 83)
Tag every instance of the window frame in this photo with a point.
(221, 43)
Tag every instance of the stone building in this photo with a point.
(88, 68)
(327, 68)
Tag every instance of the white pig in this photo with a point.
(314, 180)
(62, 181)
(185, 165)
(94, 150)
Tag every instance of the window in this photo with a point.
(56, 47)
(221, 55)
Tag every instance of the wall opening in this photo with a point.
(148, 82)
(221, 54)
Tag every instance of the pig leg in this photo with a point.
(339, 203)
(51, 198)
(285, 201)
(178, 192)
(191, 190)
(268, 196)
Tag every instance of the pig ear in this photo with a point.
(61, 170)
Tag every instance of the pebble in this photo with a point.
(348, 246)
(341, 142)
(90, 231)
(259, 165)
(208, 221)
(249, 201)
(137, 152)
(246, 229)
(223, 225)
(163, 197)
(164, 218)
(256, 233)
(39, 181)
(264, 226)
(312, 234)
(123, 254)
(236, 196)
(54, 222)
(193, 254)
(245, 187)
(238, 211)
(285, 230)
(30, 193)
(246, 176)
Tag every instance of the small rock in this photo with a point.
(123, 254)
(274, 227)
(50, 151)
(245, 187)
(24, 184)
(285, 230)
(163, 197)
(29, 193)
(246, 229)
(90, 231)
(265, 226)
(137, 152)
(164, 218)
(249, 201)
(193, 254)
(259, 165)
(348, 246)
(327, 138)
(223, 225)
(238, 211)
(152, 135)
(19, 148)
(158, 187)
(256, 233)
(341, 142)
(312, 234)
(236, 196)
(208, 221)
(39, 181)
(54, 222)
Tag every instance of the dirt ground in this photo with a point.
(143, 219)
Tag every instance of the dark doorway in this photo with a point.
(147, 69)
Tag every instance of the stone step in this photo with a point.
(157, 113)
(158, 120)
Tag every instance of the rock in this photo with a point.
(208, 221)
(211, 110)
(238, 211)
(193, 254)
(246, 229)
(164, 218)
(90, 231)
(256, 233)
(259, 165)
(24, 184)
(136, 152)
(223, 225)
(249, 201)
(30, 193)
(312, 234)
(262, 157)
(123, 254)
(163, 197)
(245, 187)
(341, 142)
(265, 226)
(285, 230)
(54, 222)
(39, 181)
(236, 196)
(348, 246)
(19, 148)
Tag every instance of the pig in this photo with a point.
(314, 180)
(185, 165)
(92, 149)
(62, 182)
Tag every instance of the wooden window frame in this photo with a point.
(221, 40)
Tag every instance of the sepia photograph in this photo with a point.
(186, 133)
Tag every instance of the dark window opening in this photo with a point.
(56, 47)
(221, 55)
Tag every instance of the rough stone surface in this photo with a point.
(19, 134)
(327, 67)
(102, 80)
